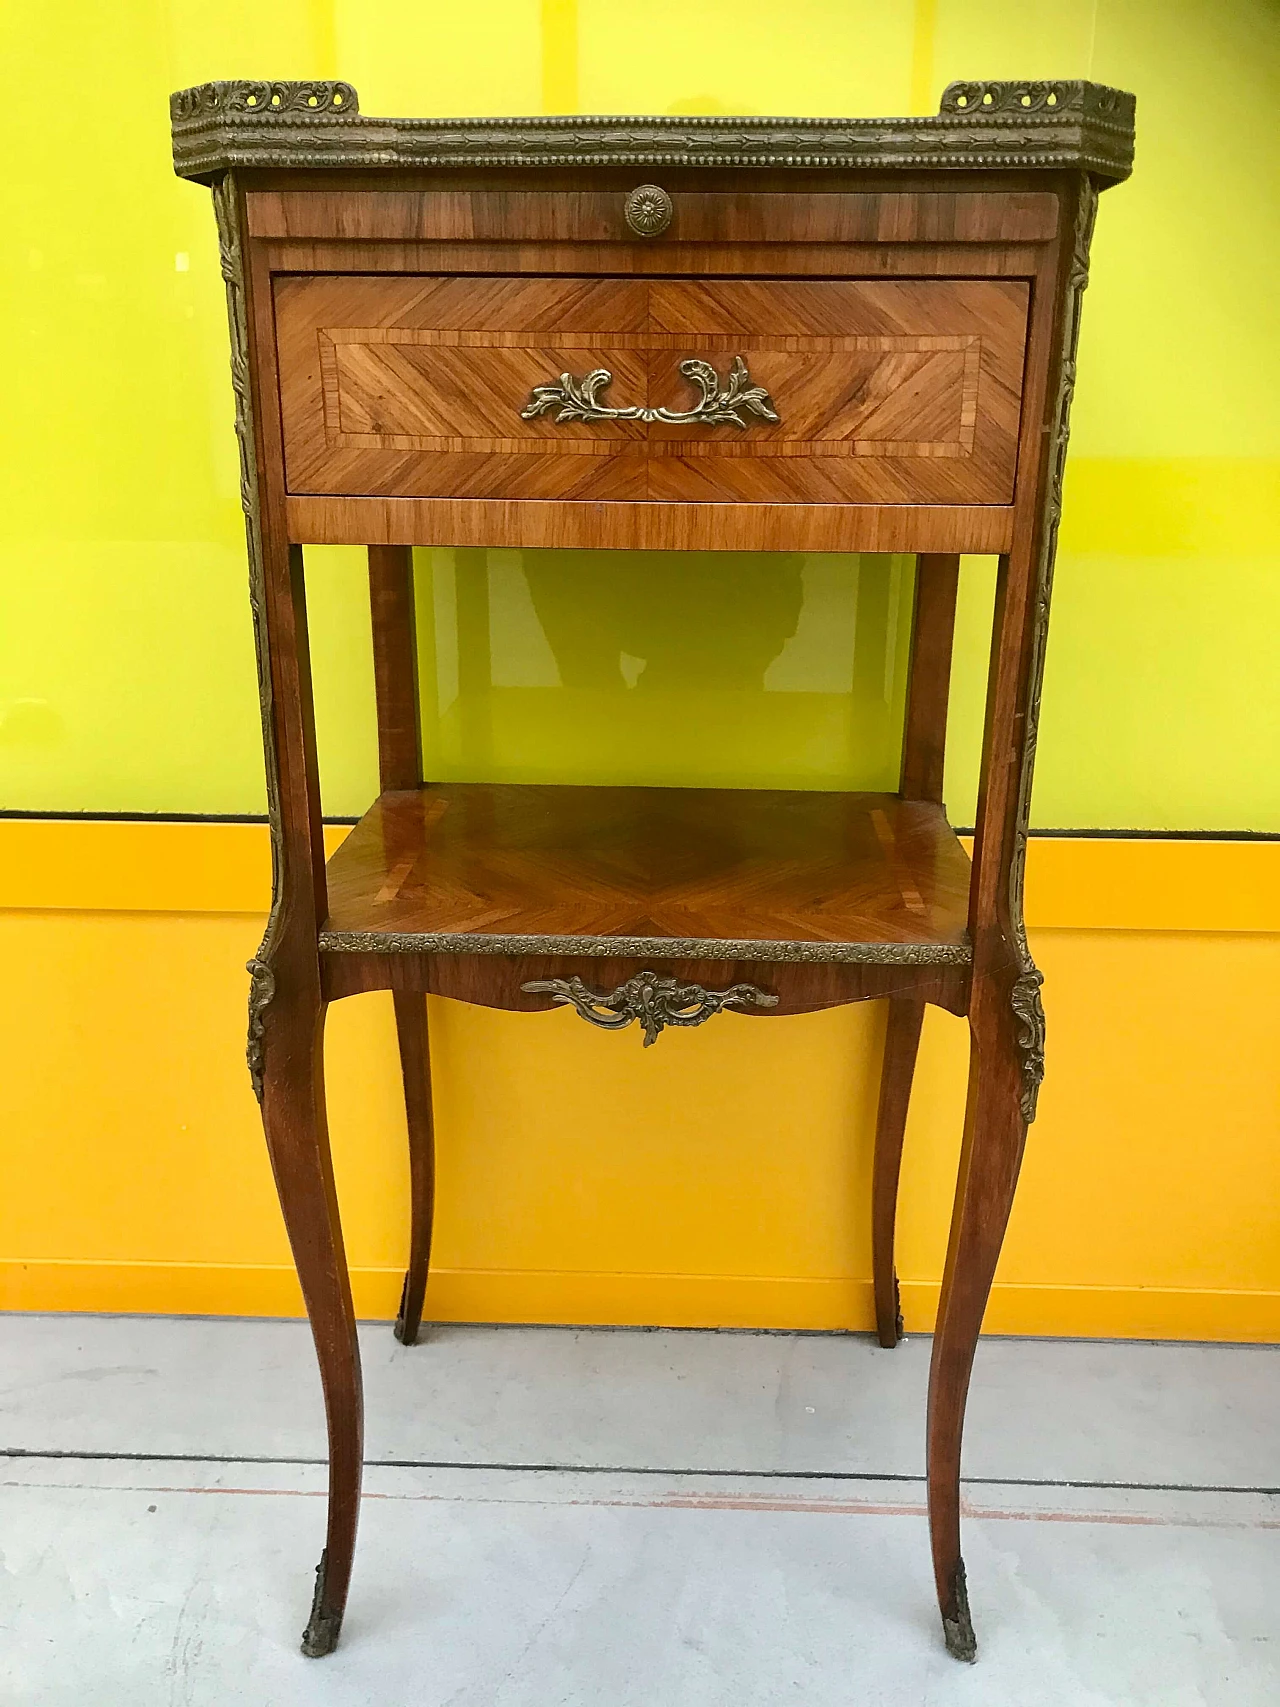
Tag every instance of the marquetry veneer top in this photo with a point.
(677, 873)
(980, 126)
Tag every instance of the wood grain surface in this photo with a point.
(395, 665)
(654, 260)
(888, 391)
(903, 1025)
(484, 215)
(642, 526)
(713, 866)
(924, 734)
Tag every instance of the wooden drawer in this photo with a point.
(874, 392)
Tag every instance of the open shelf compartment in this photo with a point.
(675, 872)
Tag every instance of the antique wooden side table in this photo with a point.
(809, 335)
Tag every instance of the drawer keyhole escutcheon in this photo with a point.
(719, 406)
(648, 210)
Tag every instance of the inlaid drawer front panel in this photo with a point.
(825, 391)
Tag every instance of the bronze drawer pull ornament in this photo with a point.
(578, 399)
(656, 1001)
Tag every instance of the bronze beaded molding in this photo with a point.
(649, 948)
(219, 127)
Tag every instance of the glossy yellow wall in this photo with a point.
(125, 662)
(722, 1176)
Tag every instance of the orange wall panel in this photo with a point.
(721, 1178)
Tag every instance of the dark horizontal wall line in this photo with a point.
(960, 829)
(1155, 835)
(153, 817)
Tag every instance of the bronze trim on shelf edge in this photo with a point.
(649, 948)
(262, 979)
(1025, 998)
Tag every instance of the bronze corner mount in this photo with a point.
(262, 990)
(1095, 101)
(1028, 1012)
(263, 101)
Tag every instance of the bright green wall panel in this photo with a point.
(126, 671)
(695, 668)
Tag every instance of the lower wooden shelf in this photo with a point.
(673, 873)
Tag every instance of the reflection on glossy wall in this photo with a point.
(126, 668)
(751, 668)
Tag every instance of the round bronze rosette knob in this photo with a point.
(648, 210)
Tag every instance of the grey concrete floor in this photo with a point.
(561, 1516)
